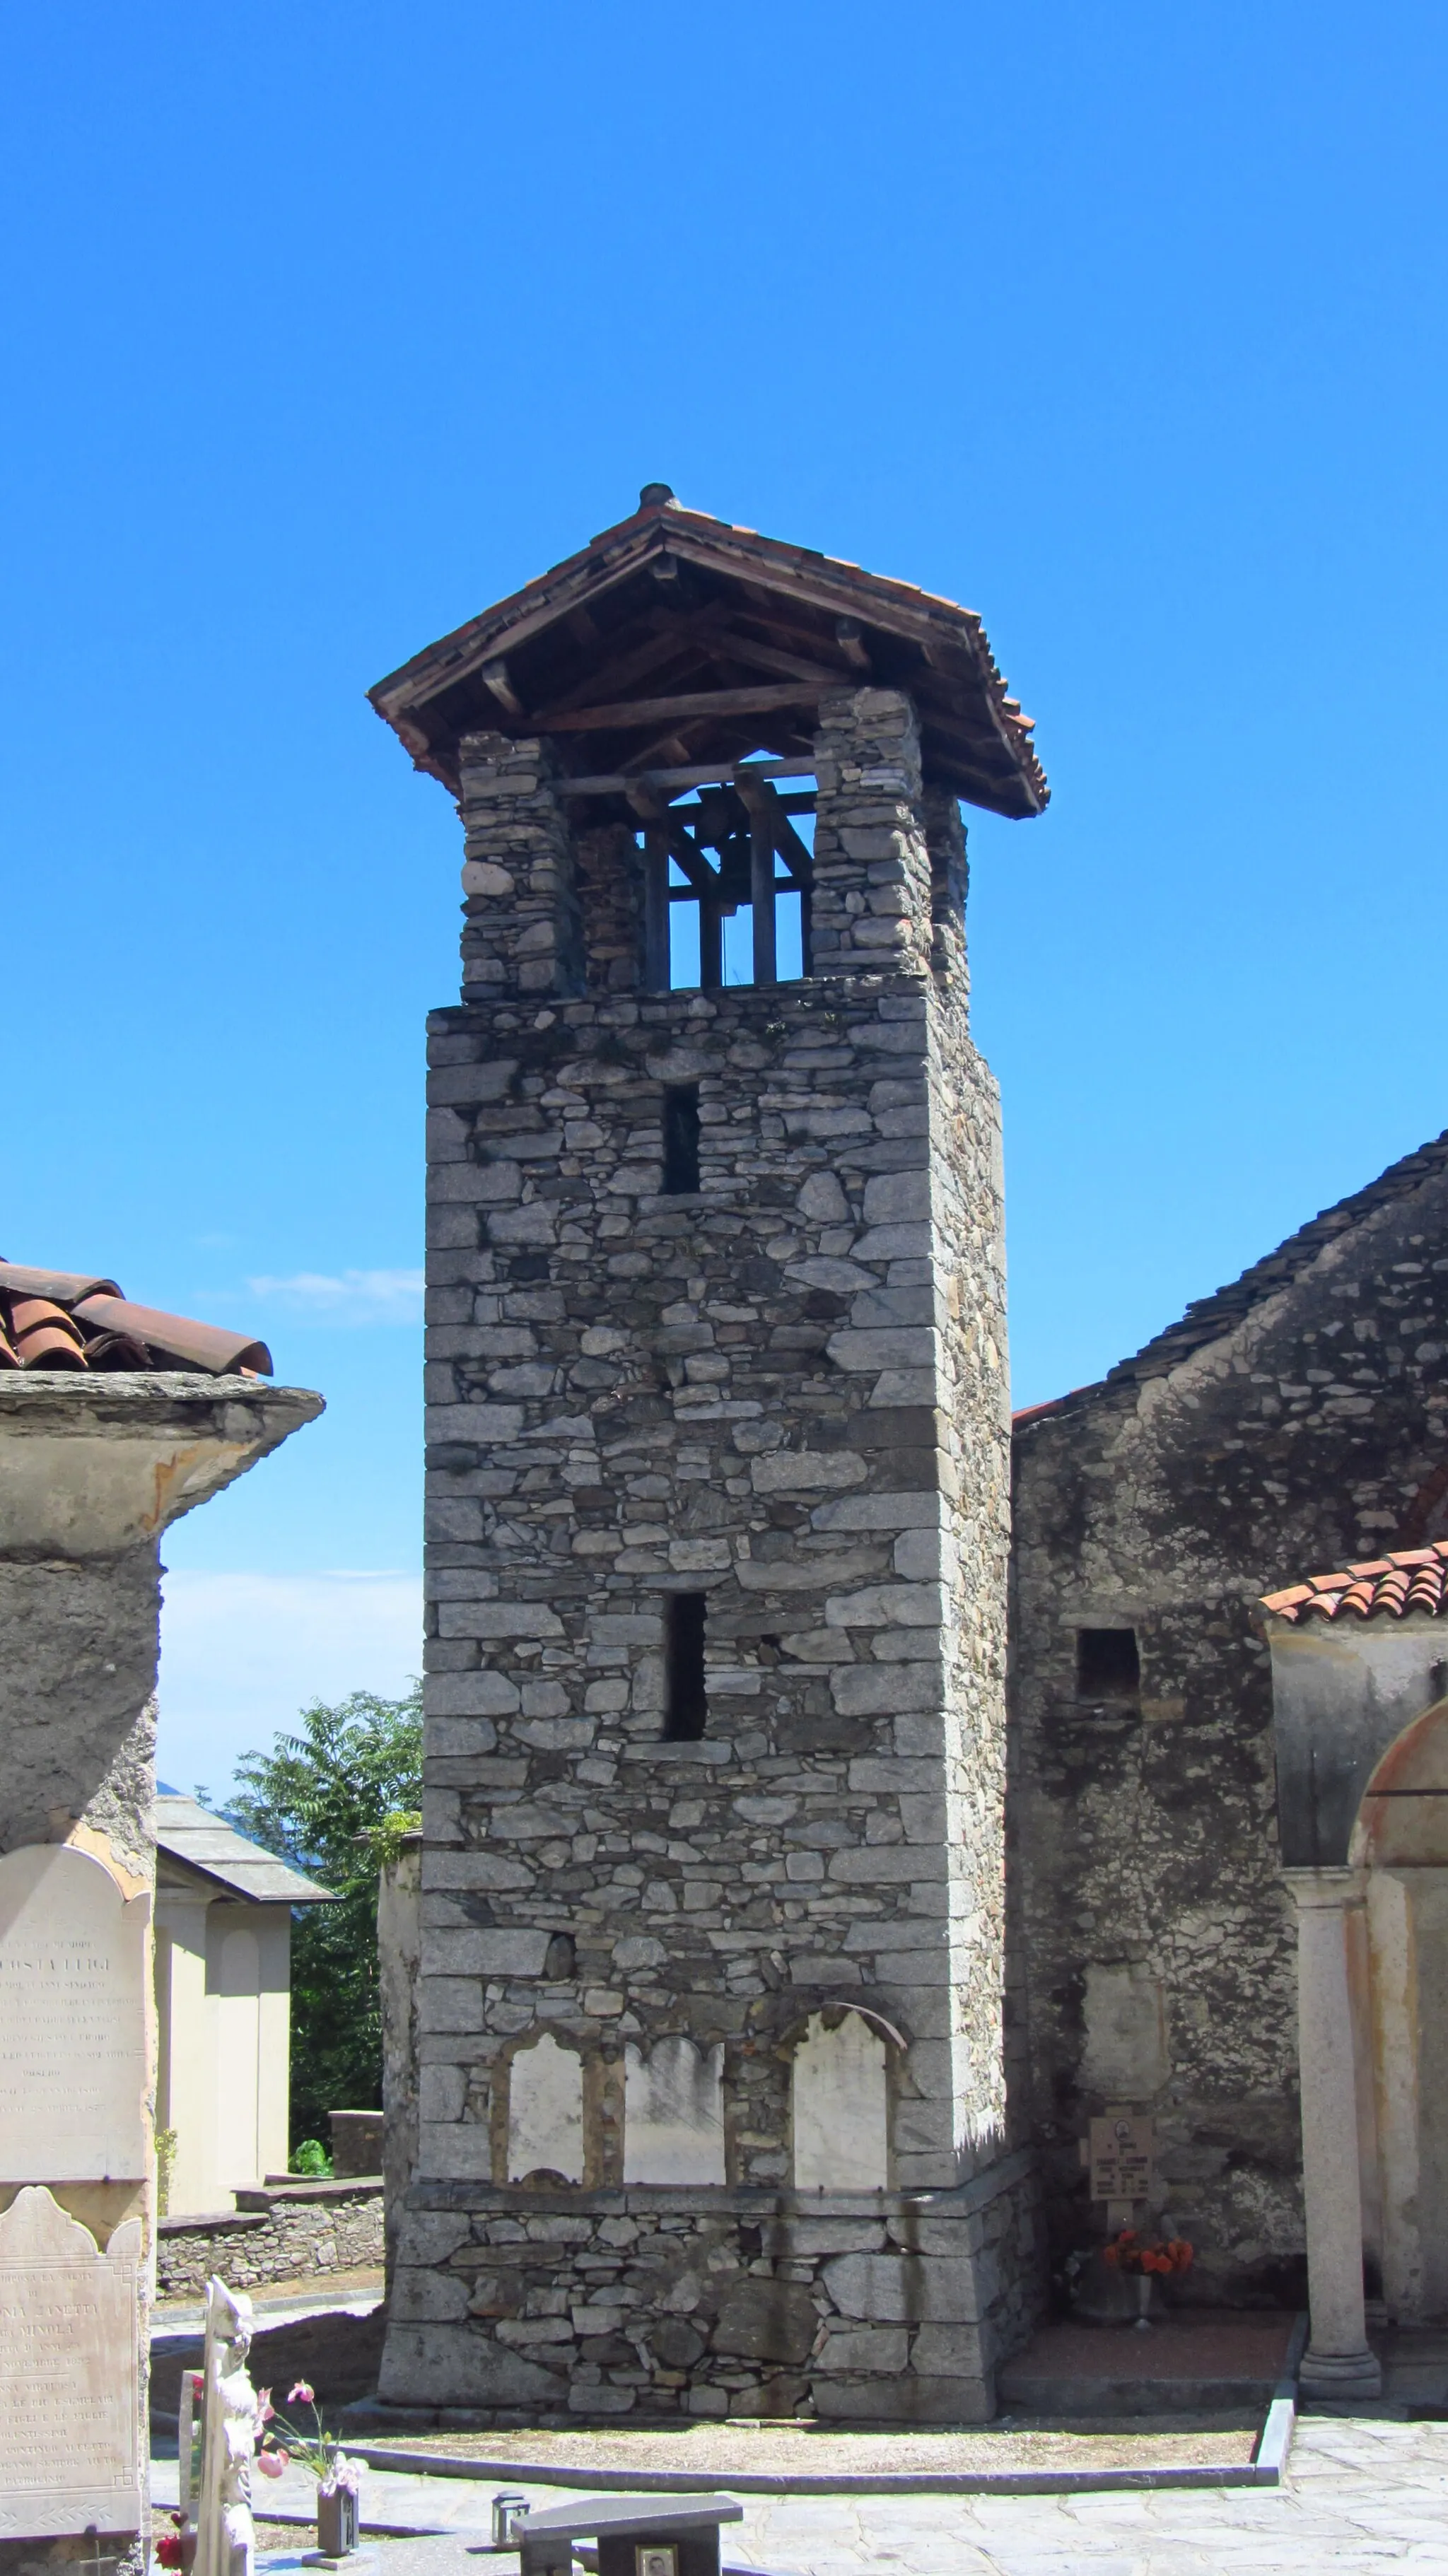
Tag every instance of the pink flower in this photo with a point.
(264, 2407)
(304, 2391)
(272, 2463)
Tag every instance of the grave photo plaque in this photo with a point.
(69, 2392)
(72, 2020)
(1121, 2155)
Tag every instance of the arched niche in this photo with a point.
(1403, 1820)
(840, 2104)
(1398, 1973)
(673, 2113)
(545, 2112)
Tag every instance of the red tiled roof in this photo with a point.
(55, 1319)
(1411, 1579)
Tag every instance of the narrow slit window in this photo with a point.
(684, 1706)
(681, 1139)
(1108, 1664)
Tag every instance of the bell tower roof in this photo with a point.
(676, 638)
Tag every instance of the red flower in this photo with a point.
(168, 2549)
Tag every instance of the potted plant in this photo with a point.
(1146, 2259)
(339, 2479)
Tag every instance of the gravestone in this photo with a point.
(69, 2382)
(839, 2111)
(1120, 2152)
(72, 2020)
(673, 2113)
(545, 2112)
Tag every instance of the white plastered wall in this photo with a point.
(223, 1996)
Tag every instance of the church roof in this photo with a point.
(1209, 1319)
(63, 1319)
(676, 637)
(1409, 1579)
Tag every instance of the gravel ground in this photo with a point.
(722, 2451)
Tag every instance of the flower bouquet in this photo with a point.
(1147, 2259)
(339, 2479)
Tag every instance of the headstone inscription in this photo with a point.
(225, 2534)
(69, 2387)
(72, 2020)
(1121, 2152)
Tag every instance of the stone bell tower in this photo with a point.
(711, 2088)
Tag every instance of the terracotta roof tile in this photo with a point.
(1411, 1580)
(59, 1319)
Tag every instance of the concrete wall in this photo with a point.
(1153, 1950)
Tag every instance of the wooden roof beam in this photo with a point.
(635, 712)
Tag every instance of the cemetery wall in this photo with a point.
(281, 2235)
(1291, 1424)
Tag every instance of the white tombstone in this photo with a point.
(840, 2107)
(545, 2111)
(225, 2534)
(673, 2113)
(73, 2071)
(69, 2382)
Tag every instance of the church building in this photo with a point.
(756, 2054)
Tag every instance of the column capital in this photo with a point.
(1316, 1888)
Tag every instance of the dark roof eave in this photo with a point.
(897, 607)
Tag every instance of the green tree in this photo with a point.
(331, 1799)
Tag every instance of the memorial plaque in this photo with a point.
(72, 2020)
(69, 2388)
(1121, 2160)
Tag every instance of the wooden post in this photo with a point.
(761, 888)
(656, 910)
(711, 944)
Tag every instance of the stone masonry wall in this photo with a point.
(786, 1392)
(716, 2303)
(291, 2236)
(1154, 1957)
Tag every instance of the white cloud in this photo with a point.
(241, 1654)
(349, 1296)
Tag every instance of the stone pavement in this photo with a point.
(1363, 2495)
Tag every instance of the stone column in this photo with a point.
(523, 933)
(872, 869)
(1338, 2361)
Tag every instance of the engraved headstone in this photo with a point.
(673, 2113)
(1122, 2173)
(72, 2020)
(839, 2111)
(69, 2394)
(545, 2112)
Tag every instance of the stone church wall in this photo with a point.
(1153, 1947)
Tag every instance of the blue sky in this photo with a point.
(326, 326)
